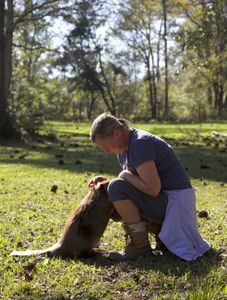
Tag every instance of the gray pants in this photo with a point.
(151, 208)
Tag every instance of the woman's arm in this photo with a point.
(148, 180)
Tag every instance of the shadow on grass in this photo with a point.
(79, 159)
(200, 161)
(168, 264)
(204, 162)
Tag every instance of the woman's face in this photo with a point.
(116, 143)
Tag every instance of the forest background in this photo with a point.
(160, 63)
(73, 59)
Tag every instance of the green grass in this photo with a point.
(31, 216)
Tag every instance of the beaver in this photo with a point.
(84, 227)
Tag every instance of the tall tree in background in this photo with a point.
(136, 27)
(31, 47)
(99, 70)
(144, 28)
(83, 52)
(6, 33)
(164, 7)
(3, 106)
(203, 38)
(12, 17)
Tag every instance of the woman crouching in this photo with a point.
(152, 188)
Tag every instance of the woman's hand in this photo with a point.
(93, 181)
(147, 180)
(124, 174)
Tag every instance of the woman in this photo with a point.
(153, 187)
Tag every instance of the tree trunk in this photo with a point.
(154, 86)
(158, 53)
(166, 60)
(4, 118)
(111, 103)
(218, 97)
(8, 47)
(2, 60)
(219, 8)
(150, 89)
(209, 95)
(90, 104)
(105, 99)
(6, 30)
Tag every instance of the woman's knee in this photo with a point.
(116, 189)
(116, 184)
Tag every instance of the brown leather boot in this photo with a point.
(155, 228)
(137, 243)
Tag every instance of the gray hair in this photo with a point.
(104, 125)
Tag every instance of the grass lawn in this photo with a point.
(31, 216)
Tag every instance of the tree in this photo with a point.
(83, 51)
(145, 29)
(164, 6)
(136, 27)
(3, 107)
(12, 16)
(6, 32)
(31, 47)
(203, 39)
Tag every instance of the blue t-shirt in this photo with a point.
(144, 146)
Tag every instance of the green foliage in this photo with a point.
(110, 57)
(202, 38)
(32, 216)
(28, 112)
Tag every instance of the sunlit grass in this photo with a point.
(170, 129)
(31, 216)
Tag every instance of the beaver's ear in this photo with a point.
(102, 185)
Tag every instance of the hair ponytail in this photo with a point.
(104, 125)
